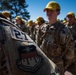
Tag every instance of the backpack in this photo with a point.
(19, 55)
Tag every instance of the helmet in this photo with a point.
(39, 19)
(30, 23)
(6, 13)
(71, 14)
(52, 6)
(64, 21)
(17, 18)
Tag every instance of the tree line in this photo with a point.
(16, 8)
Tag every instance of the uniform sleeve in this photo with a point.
(67, 40)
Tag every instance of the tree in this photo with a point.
(16, 8)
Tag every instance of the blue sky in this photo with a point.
(36, 8)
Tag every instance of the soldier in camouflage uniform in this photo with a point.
(71, 24)
(57, 41)
(42, 26)
(21, 23)
(31, 27)
(7, 14)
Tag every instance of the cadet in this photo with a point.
(57, 41)
(40, 32)
(7, 15)
(31, 26)
(71, 24)
(20, 23)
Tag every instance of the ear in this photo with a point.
(58, 12)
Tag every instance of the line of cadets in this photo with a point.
(40, 32)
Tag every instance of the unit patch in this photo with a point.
(29, 60)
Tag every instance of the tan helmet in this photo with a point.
(64, 21)
(39, 19)
(52, 6)
(71, 14)
(6, 13)
(30, 23)
(18, 18)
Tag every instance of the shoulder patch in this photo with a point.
(29, 60)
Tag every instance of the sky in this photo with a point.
(36, 7)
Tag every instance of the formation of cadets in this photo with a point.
(55, 38)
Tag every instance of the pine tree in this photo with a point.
(16, 8)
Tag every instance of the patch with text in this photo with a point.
(29, 60)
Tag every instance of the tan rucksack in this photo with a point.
(19, 55)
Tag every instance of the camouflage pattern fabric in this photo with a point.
(58, 46)
(40, 33)
(72, 28)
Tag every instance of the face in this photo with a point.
(8, 18)
(39, 23)
(51, 14)
(18, 21)
(70, 19)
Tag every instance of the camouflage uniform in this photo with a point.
(58, 46)
(31, 32)
(40, 32)
(72, 28)
(35, 32)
